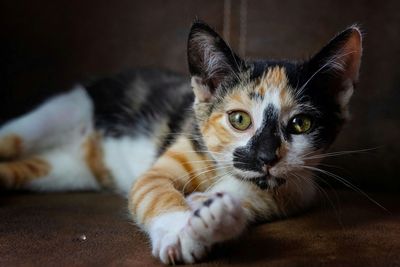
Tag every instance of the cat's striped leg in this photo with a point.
(15, 174)
(78, 165)
(159, 207)
(179, 230)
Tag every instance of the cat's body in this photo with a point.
(201, 159)
(89, 134)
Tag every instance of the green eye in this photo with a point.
(240, 120)
(300, 124)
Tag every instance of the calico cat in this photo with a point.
(199, 160)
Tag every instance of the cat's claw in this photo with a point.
(179, 248)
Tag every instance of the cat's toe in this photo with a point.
(169, 251)
(180, 248)
(192, 250)
(220, 218)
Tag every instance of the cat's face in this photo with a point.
(267, 121)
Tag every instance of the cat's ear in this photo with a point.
(211, 61)
(337, 65)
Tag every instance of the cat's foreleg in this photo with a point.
(179, 233)
(180, 229)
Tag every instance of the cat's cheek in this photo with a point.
(299, 146)
(276, 171)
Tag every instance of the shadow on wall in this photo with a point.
(47, 47)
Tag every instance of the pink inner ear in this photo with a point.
(201, 90)
(350, 55)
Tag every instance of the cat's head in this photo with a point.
(268, 119)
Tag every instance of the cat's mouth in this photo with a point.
(263, 179)
(268, 182)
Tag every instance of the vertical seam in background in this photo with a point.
(243, 28)
(227, 20)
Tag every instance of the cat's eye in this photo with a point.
(240, 120)
(300, 124)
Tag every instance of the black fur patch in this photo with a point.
(261, 148)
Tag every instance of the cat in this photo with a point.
(199, 159)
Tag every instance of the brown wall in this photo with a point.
(48, 45)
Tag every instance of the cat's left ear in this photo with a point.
(337, 65)
(211, 61)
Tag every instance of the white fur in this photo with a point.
(186, 237)
(127, 158)
(164, 233)
(55, 132)
(58, 121)
(68, 171)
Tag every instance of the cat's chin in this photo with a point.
(265, 182)
(268, 182)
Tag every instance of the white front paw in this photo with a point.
(164, 234)
(172, 243)
(219, 218)
(186, 237)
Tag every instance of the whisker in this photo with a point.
(201, 173)
(339, 153)
(348, 184)
(300, 91)
(218, 180)
(320, 189)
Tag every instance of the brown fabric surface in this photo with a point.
(47, 230)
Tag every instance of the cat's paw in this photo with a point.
(180, 248)
(219, 218)
(186, 237)
(171, 243)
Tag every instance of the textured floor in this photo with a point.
(92, 229)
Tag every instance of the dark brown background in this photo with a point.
(46, 46)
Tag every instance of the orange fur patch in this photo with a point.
(276, 79)
(211, 173)
(138, 197)
(14, 174)
(239, 99)
(192, 178)
(93, 153)
(10, 146)
(162, 189)
(216, 135)
(282, 150)
(164, 197)
(211, 121)
(181, 159)
(164, 201)
(261, 90)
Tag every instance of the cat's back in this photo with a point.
(137, 101)
(136, 112)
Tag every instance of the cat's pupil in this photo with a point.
(239, 118)
(298, 121)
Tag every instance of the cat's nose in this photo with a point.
(267, 158)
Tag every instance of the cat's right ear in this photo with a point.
(211, 61)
